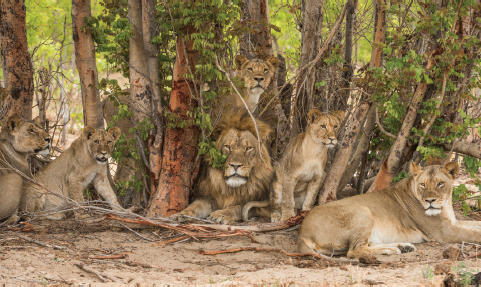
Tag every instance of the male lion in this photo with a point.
(246, 177)
(70, 173)
(300, 171)
(18, 140)
(415, 209)
(257, 75)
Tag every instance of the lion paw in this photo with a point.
(220, 217)
(275, 216)
(285, 217)
(179, 217)
(406, 247)
(13, 219)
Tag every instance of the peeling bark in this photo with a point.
(180, 148)
(16, 62)
(86, 65)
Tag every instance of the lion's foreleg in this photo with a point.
(200, 208)
(288, 200)
(103, 187)
(457, 233)
(312, 189)
(276, 199)
(469, 224)
(229, 214)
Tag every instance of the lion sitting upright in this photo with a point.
(84, 162)
(300, 171)
(388, 221)
(221, 194)
(18, 140)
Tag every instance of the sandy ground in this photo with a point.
(23, 262)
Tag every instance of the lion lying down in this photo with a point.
(416, 209)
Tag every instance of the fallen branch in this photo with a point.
(42, 243)
(137, 264)
(82, 266)
(118, 256)
(171, 241)
(315, 255)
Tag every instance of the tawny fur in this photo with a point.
(18, 140)
(221, 194)
(257, 75)
(414, 210)
(300, 171)
(84, 162)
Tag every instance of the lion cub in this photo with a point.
(300, 171)
(84, 162)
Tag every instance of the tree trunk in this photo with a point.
(348, 68)
(16, 62)
(156, 137)
(304, 100)
(86, 65)
(260, 43)
(347, 144)
(180, 148)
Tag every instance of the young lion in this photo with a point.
(388, 221)
(257, 75)
(69, 174)
(300, 171)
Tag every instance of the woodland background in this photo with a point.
(405, 72)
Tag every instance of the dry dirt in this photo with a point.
(23, 262)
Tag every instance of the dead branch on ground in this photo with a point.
(162, 243)
(101, 275)
(118, 256)
(42, 243)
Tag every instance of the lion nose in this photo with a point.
(235, 166)
(430, 200)
(259, 79)
(103, 152)
(332, 139)
(48, 140)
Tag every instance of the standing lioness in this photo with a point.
(416, 209)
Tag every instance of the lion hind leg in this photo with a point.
(381, 249)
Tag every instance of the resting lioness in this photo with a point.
(18, 140)
(300, 171)
(414, 210)
(84, 162)
(257, 75)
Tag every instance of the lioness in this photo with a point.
(300, 171)
(18, 140)
(257, 75)
(413, 210)
(84, 162)
(221, 193)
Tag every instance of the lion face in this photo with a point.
(433, 185)
(241, 151)
(100, 142)
(257, 73)
(28, 136)
(323, 127)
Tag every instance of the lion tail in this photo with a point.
(247, 207)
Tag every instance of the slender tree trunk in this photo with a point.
(156, 138)
(86, 65)
(304, 98)
(348, 68)
(180, 148)
(257, 44)
(347, 144)
(16, 62)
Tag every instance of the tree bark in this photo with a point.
(347, 144)
(180, 148)
(351, 18)
(156, 138)
(258, 44)
(86, 65)
(16, 62)
(304, 100)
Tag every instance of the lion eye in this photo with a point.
(249, 148)
(109, 142)
(440, 184)
(97, 142)
(227, 147)
(249, 69)
(266, 70)
(32, 130)
(422, 185)
(323, 126)
(335, 127)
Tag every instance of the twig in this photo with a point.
(315, 255)
(138, 234)
(118, 256)
(41, 243)
(137, 264)
(162, 243)
(82, 266)
(245, 104)
(381, 127)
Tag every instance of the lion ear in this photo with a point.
(452, 168)
(313, 115)
(13, 123)
(340, 115)
(415, 169)
(88, 132)
(273, 61)
(239, 61)
(115, 133)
